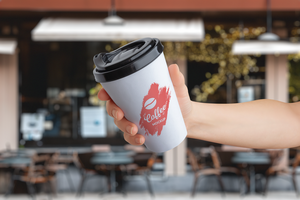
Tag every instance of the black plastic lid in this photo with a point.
(126, 60)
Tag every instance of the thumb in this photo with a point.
(178, 81)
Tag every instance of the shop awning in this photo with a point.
(264, 47)
(60, 29)
(8, 46)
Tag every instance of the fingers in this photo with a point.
(102, 95)
(178, 81)
(130, 129)
(113, 110)
(130, 132)
(176, 76)
(126, 126)
(134, 140)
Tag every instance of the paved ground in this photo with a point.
(162, 196)
(173, 184)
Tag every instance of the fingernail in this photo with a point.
(129, 130)
(133, 130)
(138, 140)
(114, 113)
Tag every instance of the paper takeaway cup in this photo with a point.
(137, 79)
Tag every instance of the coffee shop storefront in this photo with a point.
(55, 72)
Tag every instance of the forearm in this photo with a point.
(257, 124)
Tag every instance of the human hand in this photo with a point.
(130, 129)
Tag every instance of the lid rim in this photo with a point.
(150, 50)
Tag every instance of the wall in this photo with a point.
(8, 101)
(175, 159)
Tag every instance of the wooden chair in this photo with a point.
(227, 169)
(60, 163)
(143, 163)
(36, 173)
(83, 162)
(279, 168)
(201, 169)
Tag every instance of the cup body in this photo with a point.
(148, 99)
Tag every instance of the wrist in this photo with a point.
(190, 120)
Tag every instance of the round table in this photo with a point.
(16, 161)
(111, 161)
(12, 164)
(115, 154)
(17, 153)
(251, 159)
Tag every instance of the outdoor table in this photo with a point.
(62, 150)
(17, 153)
(114, 154)
(12, 163)
(251, 159)
(111, 161)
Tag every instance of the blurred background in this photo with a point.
(56, 138)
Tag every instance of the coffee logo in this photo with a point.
(155, 109)
(150, 103)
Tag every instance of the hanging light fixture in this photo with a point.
(269, 36)
(113, 18)
(114, 28)
(267, 43)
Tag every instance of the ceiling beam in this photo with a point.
(149, 6)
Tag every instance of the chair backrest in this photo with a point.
(277, 159)
(144, 159)
(215, 157)
(192, 160)
(151, 161)
(84, 159)
(38, 164)
(296, 161)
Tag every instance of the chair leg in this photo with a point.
(266, 185)
(79, 192)
(49, 190)
(11, 184)
(195, 185)
(31, 190)
(52, 187)
(67, 172)
(247, 180)
(124, 189)
(243, 187)
(221, 184)
(149, 184)
(295, 184)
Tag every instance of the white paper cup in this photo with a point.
(136, 77)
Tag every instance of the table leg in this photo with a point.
(252, 179)
(113, 179)
(11, 184)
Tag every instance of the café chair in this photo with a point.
(60, 163)
(36, 173)
(202, 169)
(143, 163)
(279, 168)
(228, 169)
(87, 169)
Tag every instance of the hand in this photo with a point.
(130, 129)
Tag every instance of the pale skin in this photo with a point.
(260, 124)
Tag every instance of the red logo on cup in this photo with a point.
(155, 109)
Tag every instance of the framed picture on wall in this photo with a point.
(93, 122)
(245, 94)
